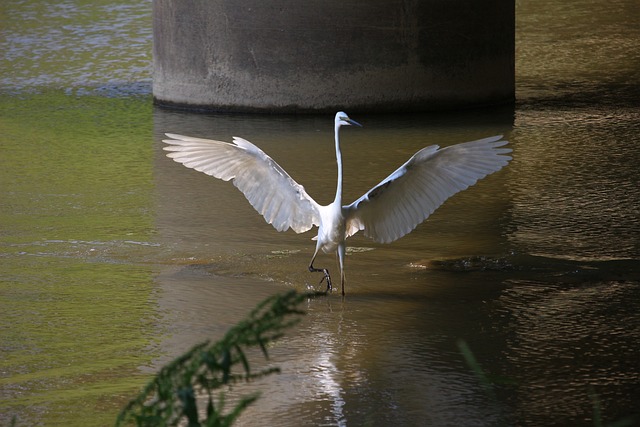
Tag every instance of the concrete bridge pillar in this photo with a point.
(293, 56)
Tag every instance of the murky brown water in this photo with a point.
(114, 259)
(516, 267)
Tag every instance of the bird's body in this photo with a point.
(331, 231)
(385, 213)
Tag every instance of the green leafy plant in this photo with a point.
(184, 389)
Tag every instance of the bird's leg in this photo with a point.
(326, 277)
(340, 255)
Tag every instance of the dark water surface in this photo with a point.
(114, 259)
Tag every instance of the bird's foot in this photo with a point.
(326, 277)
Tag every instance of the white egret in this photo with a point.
(385, 213)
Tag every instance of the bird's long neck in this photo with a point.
(338, 199)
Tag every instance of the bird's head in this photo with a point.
(343, 120)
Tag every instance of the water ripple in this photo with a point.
(89, 46)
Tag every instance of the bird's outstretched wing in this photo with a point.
(271, 191)
(410, 194)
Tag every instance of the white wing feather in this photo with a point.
(409, 195)
(271, 191)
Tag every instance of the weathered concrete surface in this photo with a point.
(305, 56)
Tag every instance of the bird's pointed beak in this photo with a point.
(353, 122)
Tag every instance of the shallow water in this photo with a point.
(114, 259)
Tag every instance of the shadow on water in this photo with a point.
(541, 299)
